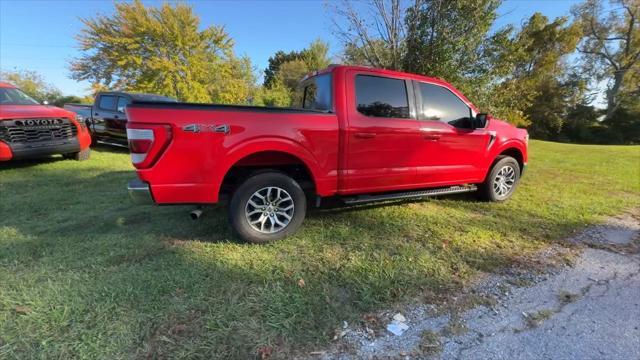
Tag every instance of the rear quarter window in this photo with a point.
(316, 93)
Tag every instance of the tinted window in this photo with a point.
(122, 102)
(107, 102)
(317, 93)
(440, 104)
(381, 97)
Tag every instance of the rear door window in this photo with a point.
(383, 97)
(107, 102)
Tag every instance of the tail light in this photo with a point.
(147, 142)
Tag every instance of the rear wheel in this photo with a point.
(80, 155)
(501, 181)
(268, 206)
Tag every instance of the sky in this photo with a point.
(40, 35)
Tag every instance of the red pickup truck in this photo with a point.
(359, 135)
(30, 130)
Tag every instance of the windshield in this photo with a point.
(11, 96)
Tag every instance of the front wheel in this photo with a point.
(267, 207)
(501, 181)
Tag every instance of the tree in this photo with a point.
(277, 95)
(611, 46)
(233, 82)
(59, 102)
(534, 85)
(279, 58)
(33, 84)
(314, 57)
(581, 124)
(287, 69)
(446, 39)
(373, 34)
(290, 73)
(624, 124)
(161, 50)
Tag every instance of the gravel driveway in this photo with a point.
(589, 310)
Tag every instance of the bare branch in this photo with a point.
(601, 54)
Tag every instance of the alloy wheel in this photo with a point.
(504, 181)
(269, 210)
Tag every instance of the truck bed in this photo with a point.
(193, 165)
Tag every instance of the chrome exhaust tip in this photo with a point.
(195, 214)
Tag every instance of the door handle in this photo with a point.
(365, 135)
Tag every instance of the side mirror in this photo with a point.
(480, 121)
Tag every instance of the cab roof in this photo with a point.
(413, 76)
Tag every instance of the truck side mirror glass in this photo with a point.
(480, 121)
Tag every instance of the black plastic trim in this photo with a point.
(39, 149)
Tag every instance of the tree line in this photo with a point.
(544, 75)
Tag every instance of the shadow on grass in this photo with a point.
(26, 163)
(149, 281)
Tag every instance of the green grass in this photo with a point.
(102, 278)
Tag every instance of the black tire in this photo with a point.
(488, 191)
(80, 155)
(238, 207)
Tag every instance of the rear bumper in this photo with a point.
(139, 192)
(34, 150)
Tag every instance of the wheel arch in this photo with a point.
(279, 155)
(514, 153)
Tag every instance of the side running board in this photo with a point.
(360, 199)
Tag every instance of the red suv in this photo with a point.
(29, 129)
(357, 135)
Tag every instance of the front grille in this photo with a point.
(34, 130)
